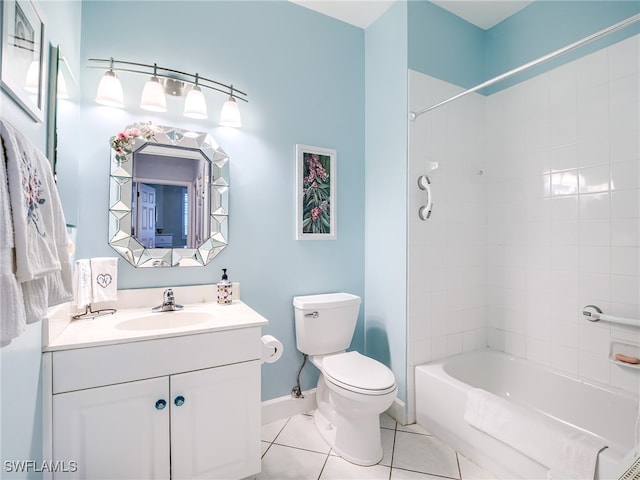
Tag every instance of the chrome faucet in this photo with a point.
(168, 303)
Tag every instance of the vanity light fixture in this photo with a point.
(110, 89)
(195, 106)
(153, 98)
(230, 116)
(168, 81)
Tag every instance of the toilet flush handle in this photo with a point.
(312, 314)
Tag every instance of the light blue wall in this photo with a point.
(386, 191)
(304, 74)
(443, 45)
(447, 47)
(20, 389)
(546, 26)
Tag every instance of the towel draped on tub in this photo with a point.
(566, 451)
(35, 268)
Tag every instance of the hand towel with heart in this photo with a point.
(104, 276)
(96, 280)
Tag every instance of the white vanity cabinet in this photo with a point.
(180, 407)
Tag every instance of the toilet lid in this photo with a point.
(355, 372)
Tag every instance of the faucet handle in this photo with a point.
(168, 295)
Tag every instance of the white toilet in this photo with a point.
(353, 390)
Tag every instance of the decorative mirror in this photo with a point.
(169, 196)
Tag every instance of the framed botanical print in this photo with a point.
(315, 193)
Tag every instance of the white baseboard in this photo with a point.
(398, 410)
(284, 407)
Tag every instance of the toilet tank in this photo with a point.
(325, 323)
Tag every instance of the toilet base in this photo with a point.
(353, 430)
(370, 454)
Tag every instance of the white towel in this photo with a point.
(565, 450)
(12, 316)
(104, 279)
(39, 228)
(82, 283)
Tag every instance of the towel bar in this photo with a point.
(593, 313)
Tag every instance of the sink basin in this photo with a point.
(164, 320)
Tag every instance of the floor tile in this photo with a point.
(282, 463)
(271, 430)
(337, 468)
(400, 474)
(387, 421)
(388, 438)
(292, 448)
(425, 454)
(301, 432)
(471, 471)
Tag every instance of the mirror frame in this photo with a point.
(120, 213)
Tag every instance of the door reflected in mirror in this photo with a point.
(167, 203)
(163, 216)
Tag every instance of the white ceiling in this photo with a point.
(483, 13)
(362, 13)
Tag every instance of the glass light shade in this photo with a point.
(230, 115)
(32, 81)
(63, 92)
(153, 98)
(110, 90)
(195, 105)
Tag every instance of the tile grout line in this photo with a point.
(459, 469)
(274, 438)
(324, 465)
(393, 449)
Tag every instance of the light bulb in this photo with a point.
(110, 90)
(230, 115)
(33, 78)
(195, 105)
(63, 92)
(153, 98)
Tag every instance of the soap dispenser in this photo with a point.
(224, 289)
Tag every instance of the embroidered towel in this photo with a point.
(104, 275)
(82, 283)
(565, 450)
(12, 316)
(40, 236)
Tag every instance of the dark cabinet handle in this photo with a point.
(179, 401)
(160, 404)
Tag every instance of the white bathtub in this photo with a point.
(441, 396)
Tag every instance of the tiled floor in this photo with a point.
(292, 448)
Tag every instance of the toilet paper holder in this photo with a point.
(272, 349)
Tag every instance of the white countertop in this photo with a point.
(108, 329)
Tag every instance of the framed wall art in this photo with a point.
(24, 57)
(315, 193)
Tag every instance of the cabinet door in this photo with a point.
(215, 433)
(116, 432)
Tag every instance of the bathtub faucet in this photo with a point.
(168, 303)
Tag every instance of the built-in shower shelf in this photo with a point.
(624, 348)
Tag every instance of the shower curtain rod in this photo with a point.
(549, 56)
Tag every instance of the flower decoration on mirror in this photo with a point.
(316, 194)
(122, 142)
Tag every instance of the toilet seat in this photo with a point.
(358, 373)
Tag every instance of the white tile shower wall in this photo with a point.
(563, 213)
(447, 254)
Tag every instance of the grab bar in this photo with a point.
(424, 183)
(593, 314)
